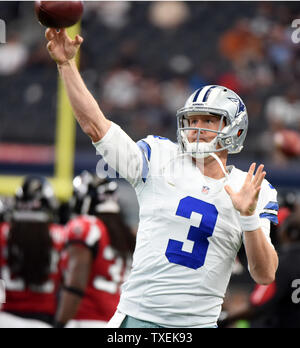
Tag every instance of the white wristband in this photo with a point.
(250, 223)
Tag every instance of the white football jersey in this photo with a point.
(188, 237)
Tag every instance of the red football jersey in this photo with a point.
(33, 299)
(108, 270)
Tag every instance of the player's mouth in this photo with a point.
(201, 140)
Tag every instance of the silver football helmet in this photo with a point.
(217, 101)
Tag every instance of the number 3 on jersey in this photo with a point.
(199, 235)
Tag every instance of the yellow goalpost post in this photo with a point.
(64, 145)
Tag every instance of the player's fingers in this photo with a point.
(49, 34)
(257, 192)
(78, 40)
(250, 173)
(62, 34)
(63, 37)
(62, 31)
(49, 46)
(261, 178)
(258, 174)
(229, 190)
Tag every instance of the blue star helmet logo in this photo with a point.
(240, 105)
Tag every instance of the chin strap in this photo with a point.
(220, 163)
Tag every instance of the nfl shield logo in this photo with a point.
(205, 190)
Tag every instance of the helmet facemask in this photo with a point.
(199, 149)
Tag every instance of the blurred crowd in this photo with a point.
(142, 59)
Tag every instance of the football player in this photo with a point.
(30, 246)
(99, 249)
(195, 211)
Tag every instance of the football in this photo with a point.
(58, 14)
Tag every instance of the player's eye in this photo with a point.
(193, 122)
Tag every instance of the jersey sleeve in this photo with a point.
(83, 232)
(122, 154)
(267, 208)
(156, 151)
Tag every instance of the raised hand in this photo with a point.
(245, 200)
(60, 46)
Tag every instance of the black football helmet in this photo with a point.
(93, 196)
(35, 201)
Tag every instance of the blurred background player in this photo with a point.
(276, 305)
(99, 249)
(30, 248)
